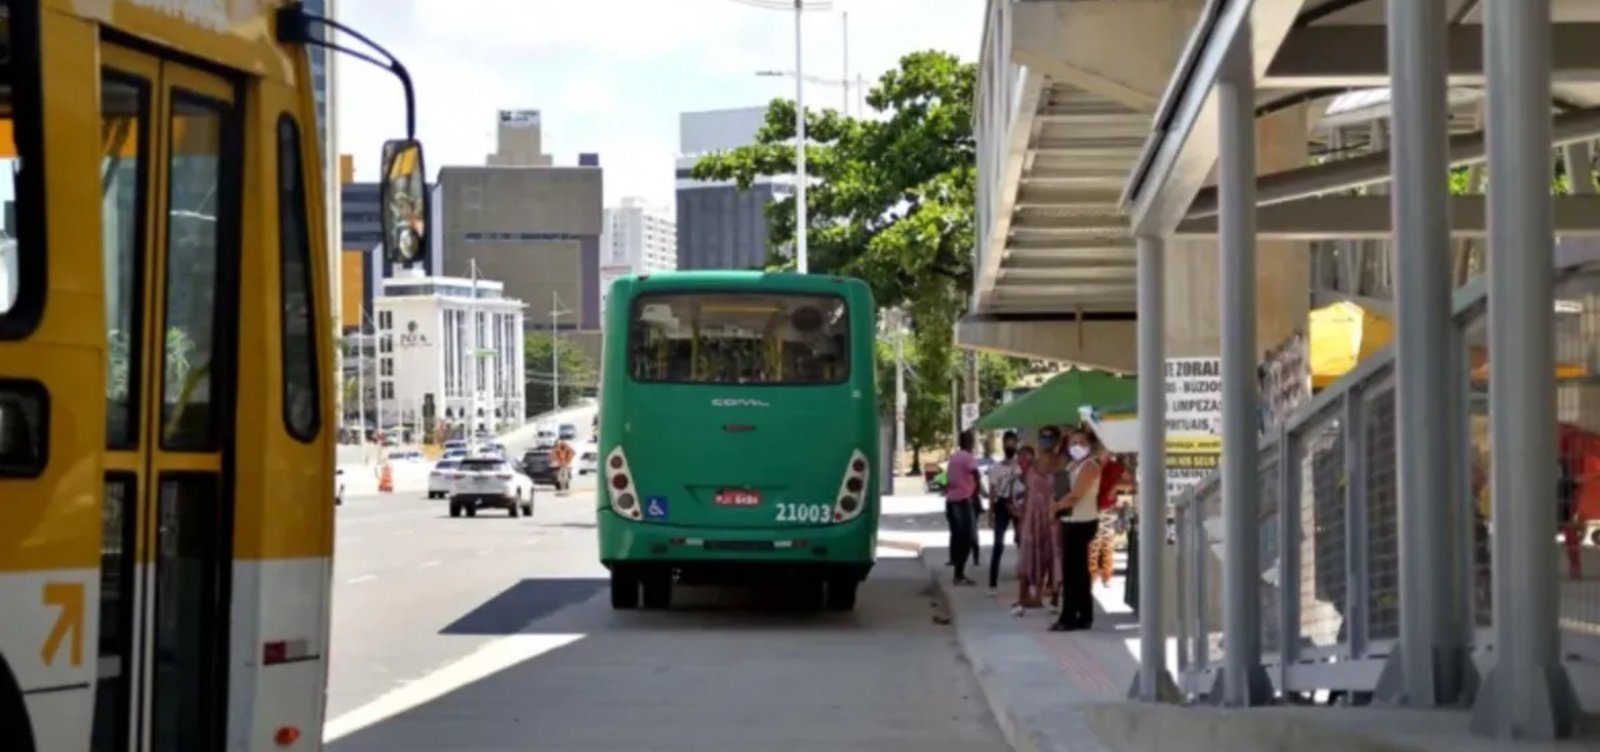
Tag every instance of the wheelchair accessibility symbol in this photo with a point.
(656, 508)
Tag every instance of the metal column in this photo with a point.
(1243, 680)
(1153, 683)
(1431, 666)
(1528, 694)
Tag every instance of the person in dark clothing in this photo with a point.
(1077, 512)
(960, 502)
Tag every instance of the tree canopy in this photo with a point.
(577, 375)
(890, 200)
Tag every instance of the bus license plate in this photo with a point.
(738, 498)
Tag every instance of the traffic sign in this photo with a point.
(969, 415)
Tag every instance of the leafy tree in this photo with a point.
(578, 376)
(891, 202)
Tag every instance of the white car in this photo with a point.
(588, 459)
(442, 478)
(484, 482)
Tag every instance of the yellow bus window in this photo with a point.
(22, 282)
(299, 326)
(122, 111)
(195, 249)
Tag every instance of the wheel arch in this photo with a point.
(16, 729)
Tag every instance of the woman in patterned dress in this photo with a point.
(1038, 556)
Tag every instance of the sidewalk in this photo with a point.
(1066, 692)
(1039, 685)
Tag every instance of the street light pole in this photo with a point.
(555, 361)
(799, 143)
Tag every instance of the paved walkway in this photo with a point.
(1065, 692)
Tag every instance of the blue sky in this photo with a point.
(611, 76)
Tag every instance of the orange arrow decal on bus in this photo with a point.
(69, 597)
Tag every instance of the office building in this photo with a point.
(719, 225)
(519, 141)
(531, 225)
(636, 240)
(427, 330)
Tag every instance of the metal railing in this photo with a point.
(1328, 591)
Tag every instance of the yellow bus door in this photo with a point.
(171, 163)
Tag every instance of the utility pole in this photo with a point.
(899, 382)
(846, 79)
(555, 350)
(472, 355)
(361, 386)
(799, 143)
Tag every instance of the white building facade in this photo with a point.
(635, 239)
(425, 360)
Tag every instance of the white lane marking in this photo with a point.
(361, 579)
(490, 659)
(433, 563)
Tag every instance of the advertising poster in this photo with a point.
(1194, 421)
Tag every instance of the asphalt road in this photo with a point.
(490, 633)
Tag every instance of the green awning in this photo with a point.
(1056, 402)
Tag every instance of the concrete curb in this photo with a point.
(1016, 733)
(901, 545)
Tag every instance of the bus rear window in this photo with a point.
(739, 338)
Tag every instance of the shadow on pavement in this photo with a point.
(516, 606)
(712, 674)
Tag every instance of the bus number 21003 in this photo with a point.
(804, 513)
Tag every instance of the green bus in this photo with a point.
(738, 435)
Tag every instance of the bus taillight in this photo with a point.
(624, 497)
(848, 504)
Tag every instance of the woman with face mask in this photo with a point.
(1077, 513)
(1038, 569)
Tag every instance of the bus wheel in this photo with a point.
(842, 595)
(624, 590)
(16, 733)
(658, 589)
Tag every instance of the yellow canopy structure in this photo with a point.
(1342, 335)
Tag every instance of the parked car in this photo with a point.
(338, 486)
(454, 444)
(494, 448)
(442, 477)
(567, 432)
(453, 454)
(490, 482)
(544, 437)
(536, 465)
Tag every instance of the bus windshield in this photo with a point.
(744, 338)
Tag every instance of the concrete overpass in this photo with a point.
(1175, 178)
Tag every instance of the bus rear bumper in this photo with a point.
(847, 546)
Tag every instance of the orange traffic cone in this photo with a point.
(385, 479)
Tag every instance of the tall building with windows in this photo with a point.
(529, 224)
(427, 331)
(719, 225)
(636, 239)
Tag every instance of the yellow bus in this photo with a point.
(166, 381)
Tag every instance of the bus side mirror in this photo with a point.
(405, 198)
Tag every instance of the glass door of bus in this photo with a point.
(170, 162)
